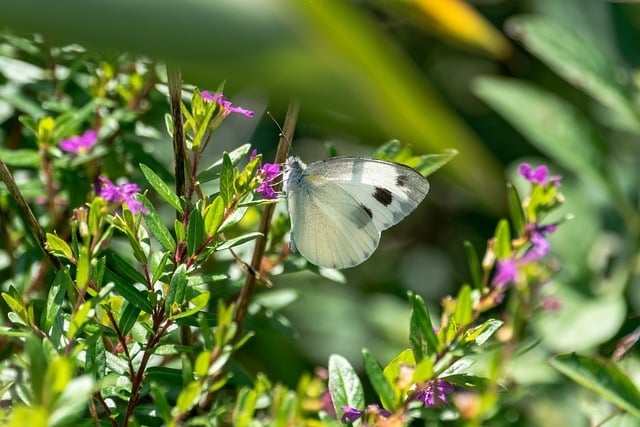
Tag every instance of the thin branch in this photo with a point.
(27, 215)
(250, 282)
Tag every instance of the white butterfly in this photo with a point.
(339, 206)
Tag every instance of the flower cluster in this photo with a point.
(507, 269)
(266, 174)
(121, 194)
(79, 144)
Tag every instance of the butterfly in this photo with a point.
(339, 206)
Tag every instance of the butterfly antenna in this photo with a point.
(281, 134)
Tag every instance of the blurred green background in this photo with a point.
(433, 75)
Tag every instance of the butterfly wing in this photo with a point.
(388, 191)
(328, 227)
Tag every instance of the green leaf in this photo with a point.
(378, 381)
(195, 232)
(394, 368)
(58, 247)
(603, 377)
(128, 317)
(213, 216)
(228, 244)
(79, 318)
(214, 171)
(429, 163)
(175, 294)
(82, 270)
(502, 246)
(161, 188)
(464, 306)
(156, 226)
(72, 402)
(55, 298)
(515, 209)
(198, 303)
(160, 402)
(578, 60)
(550, 123)
(226, 180)
(474, 264)
(480, 334)
(344, 385)
(23, 158)
(124, 277)
(423, 339)
(188, 397)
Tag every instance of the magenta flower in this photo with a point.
(539, 175)
(435, 393)
(80, 143)
(506, 271)
(224, 104)
(266, 173)
(121, 194)
(352, 414)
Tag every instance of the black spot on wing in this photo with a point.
(367, 211)
(383, 195)
(401, 180)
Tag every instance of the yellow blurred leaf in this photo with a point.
(456, 20)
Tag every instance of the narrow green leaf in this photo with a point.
(82, 270)
(228, 244)
(464, 306)
(201, 366)
(378, 381)
(55, 299)
(188, 397)
(156, 226)
(124, 286)
(175, 294)
(128, 317)
(226, 180)
(503, 240)
(161, 187)
(58, 247)
(24, 158)
(423, 339)
(79, 318)
(72, 402)
(195, 232)
(344, 385)
(429, 163)
(480, 334)
(474, 264)
(515, 209)
(160, 402)
(603, 377)
(213, 216)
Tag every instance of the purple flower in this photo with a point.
(225, 105)
(506, 271)
(121, 194)
(80, 143)
(539, 175)
(266, 173)
(350, 414)
(435, 393)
